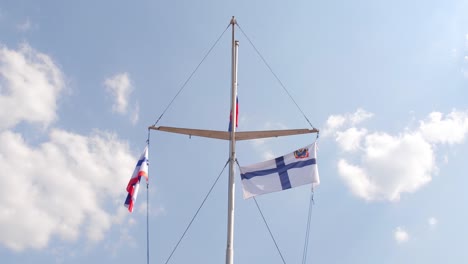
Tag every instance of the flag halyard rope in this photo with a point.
(147, 205)
(306, 242)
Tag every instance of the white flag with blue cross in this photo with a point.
(285, 172)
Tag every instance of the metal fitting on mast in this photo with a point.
(233, 21)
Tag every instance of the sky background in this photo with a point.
(386, 82)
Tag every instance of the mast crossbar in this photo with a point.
(243, 135)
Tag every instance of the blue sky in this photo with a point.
(386, 82)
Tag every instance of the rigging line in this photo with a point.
(271, 234)
(274, 74)
(196, 213)
(191, 75)
(147, 223)
(266, 224)
(147, 207)
(306, 242)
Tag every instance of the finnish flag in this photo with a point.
(285, 172)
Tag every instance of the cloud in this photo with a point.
(30, 83)
(135, 114)
(64, 186)
(120, 88)
(335, 122)
(432, 222)
(357, 179)
(391, 165)
(400, 235)
(350, 139)
(59, 188)
(268, 155)
(451, 129)
(381, 166)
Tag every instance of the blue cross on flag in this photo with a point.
(285, 172)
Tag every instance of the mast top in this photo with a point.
(233, 21)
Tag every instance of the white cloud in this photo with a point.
(400, 235)
(59, 187)
(30, 83)
(335, 122)
(268, 155)
(384, 166)
(135, 114)
(350, 139)
(432, 221)
(451, 129)
(62, 187)
(357, 180)
(359, 116)
(120, 87)
(389, 166)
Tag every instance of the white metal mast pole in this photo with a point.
(232, 151)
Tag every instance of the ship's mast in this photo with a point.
(232, 150)
(232, 136)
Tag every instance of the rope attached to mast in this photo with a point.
(196, 213)
(191, 75)
(306, 242)
(264, 221)
(269, 230)
(276, 76)
(309, 217)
